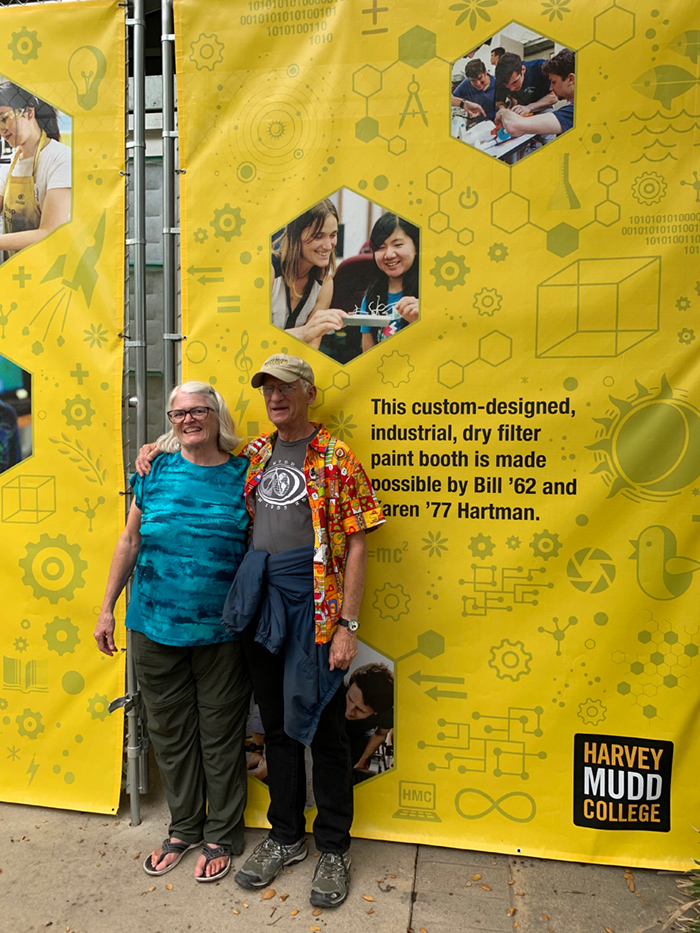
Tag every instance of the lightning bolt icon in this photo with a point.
(241, 406)
(32, 769)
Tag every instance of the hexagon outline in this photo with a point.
(26, 86)
(545, 35)
(334, 190)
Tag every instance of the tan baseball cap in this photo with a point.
(284, 367)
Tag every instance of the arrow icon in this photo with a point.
(205, 279)
(419, 678)
(195, 270)
(434, 693)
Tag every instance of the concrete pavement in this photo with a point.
(77, 872)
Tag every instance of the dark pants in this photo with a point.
(196, 703)
(330, 750)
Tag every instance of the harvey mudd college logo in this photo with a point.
(622, 783)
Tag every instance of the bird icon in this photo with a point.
(661, 573)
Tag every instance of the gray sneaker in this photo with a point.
(266, 861)
(331, 880)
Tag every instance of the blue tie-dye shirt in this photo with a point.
(193, 537)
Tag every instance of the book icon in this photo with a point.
(29, 676)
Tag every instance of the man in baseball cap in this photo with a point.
(295, 602)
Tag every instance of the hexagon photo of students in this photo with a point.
(513, 95)
(15, 414)
(369, 722)
(35, 168)
(345, 275)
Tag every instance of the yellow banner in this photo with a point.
(61, 307)
(528, 415)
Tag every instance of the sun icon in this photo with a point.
(649, 448)
(276, 129)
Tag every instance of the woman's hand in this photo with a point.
(104, 633)
(407, 307)
(147, 455)
(319, 324)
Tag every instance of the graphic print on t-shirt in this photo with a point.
(282, 485)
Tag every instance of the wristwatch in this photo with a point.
(351, 625)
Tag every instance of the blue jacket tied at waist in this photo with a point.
(278, 591)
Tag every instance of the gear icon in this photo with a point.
(683, 304)
(78, 412)
(391, 601)
(649, 188)
(25, 623)
(29, 723)
(200, 235)
(481, 546)
(686, 336)
(510, 660)
(498, 252)
(61, 636)
(24, 46)
(3, 703)
(592, 712)
(206, 52)
(98, 706)
(21, 644)
(545, 545)
(395, 369)
(449, 270)
(513, 543)
(227, 222)
(487, 301)
(53, 568)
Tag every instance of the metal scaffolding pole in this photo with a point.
(137, 241)
(170, 231)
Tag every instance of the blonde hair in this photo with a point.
(228, 440)
(289, 244)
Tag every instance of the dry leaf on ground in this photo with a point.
(236, 910)
(317, 912)
(511, 911)
(152, 887)
(368, 897)
(389, 875)
(283, 897)
(545, 917)
(294, 913)
(266, 895)
(485, 887)
(476, 877)
(168, 887)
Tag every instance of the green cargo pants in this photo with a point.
(196, 701)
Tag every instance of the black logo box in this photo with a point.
(622, 783)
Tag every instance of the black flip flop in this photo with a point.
(209, 854)
(168, 848)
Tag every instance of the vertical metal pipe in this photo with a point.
(169, 252)
(138, 242)
(138, 147)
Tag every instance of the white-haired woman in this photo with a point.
(186, 534)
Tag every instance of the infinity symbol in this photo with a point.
(496, 805)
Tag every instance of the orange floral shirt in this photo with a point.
(342, 502)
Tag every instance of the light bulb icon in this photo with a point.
(86, 68)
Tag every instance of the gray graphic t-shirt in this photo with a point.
(282, 510)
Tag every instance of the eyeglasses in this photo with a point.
(285, 388)
(11, 116)
(178, 415)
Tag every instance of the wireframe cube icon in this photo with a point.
(29, 499)
(598, 307)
